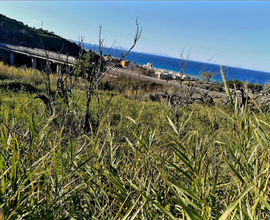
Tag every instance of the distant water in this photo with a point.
(193, 67)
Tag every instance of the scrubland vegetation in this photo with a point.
(138, 162)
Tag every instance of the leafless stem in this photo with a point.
(98, 73)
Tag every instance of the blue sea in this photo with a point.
(193, 67)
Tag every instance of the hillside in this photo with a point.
(140, 160)
(15, 32)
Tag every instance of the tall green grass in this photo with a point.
(137, 165)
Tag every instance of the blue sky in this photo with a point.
(238, 31)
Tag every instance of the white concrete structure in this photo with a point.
(35, 53)
(149, 65)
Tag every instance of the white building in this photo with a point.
(149, 65)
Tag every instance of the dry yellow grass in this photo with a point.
(23, 73)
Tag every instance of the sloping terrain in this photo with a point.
(15, 32)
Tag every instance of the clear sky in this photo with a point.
(238, 31)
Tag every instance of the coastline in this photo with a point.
(231, 73)
(194, 67)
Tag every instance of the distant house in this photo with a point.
(163, 75)
(116, 61)
(166, 76)
(149, 65)
(129, 64)
(184, 77)
(125, 63)
(157, 75)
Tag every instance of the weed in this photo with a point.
(214, 164)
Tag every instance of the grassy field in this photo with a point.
(136, 164)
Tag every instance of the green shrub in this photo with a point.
(238, 84)
(105, 85)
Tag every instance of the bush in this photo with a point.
(216, 87)
(255, 87)
(238, 84)
(105, 85)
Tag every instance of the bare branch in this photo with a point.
(136, 38)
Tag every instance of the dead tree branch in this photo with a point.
(99, 71)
